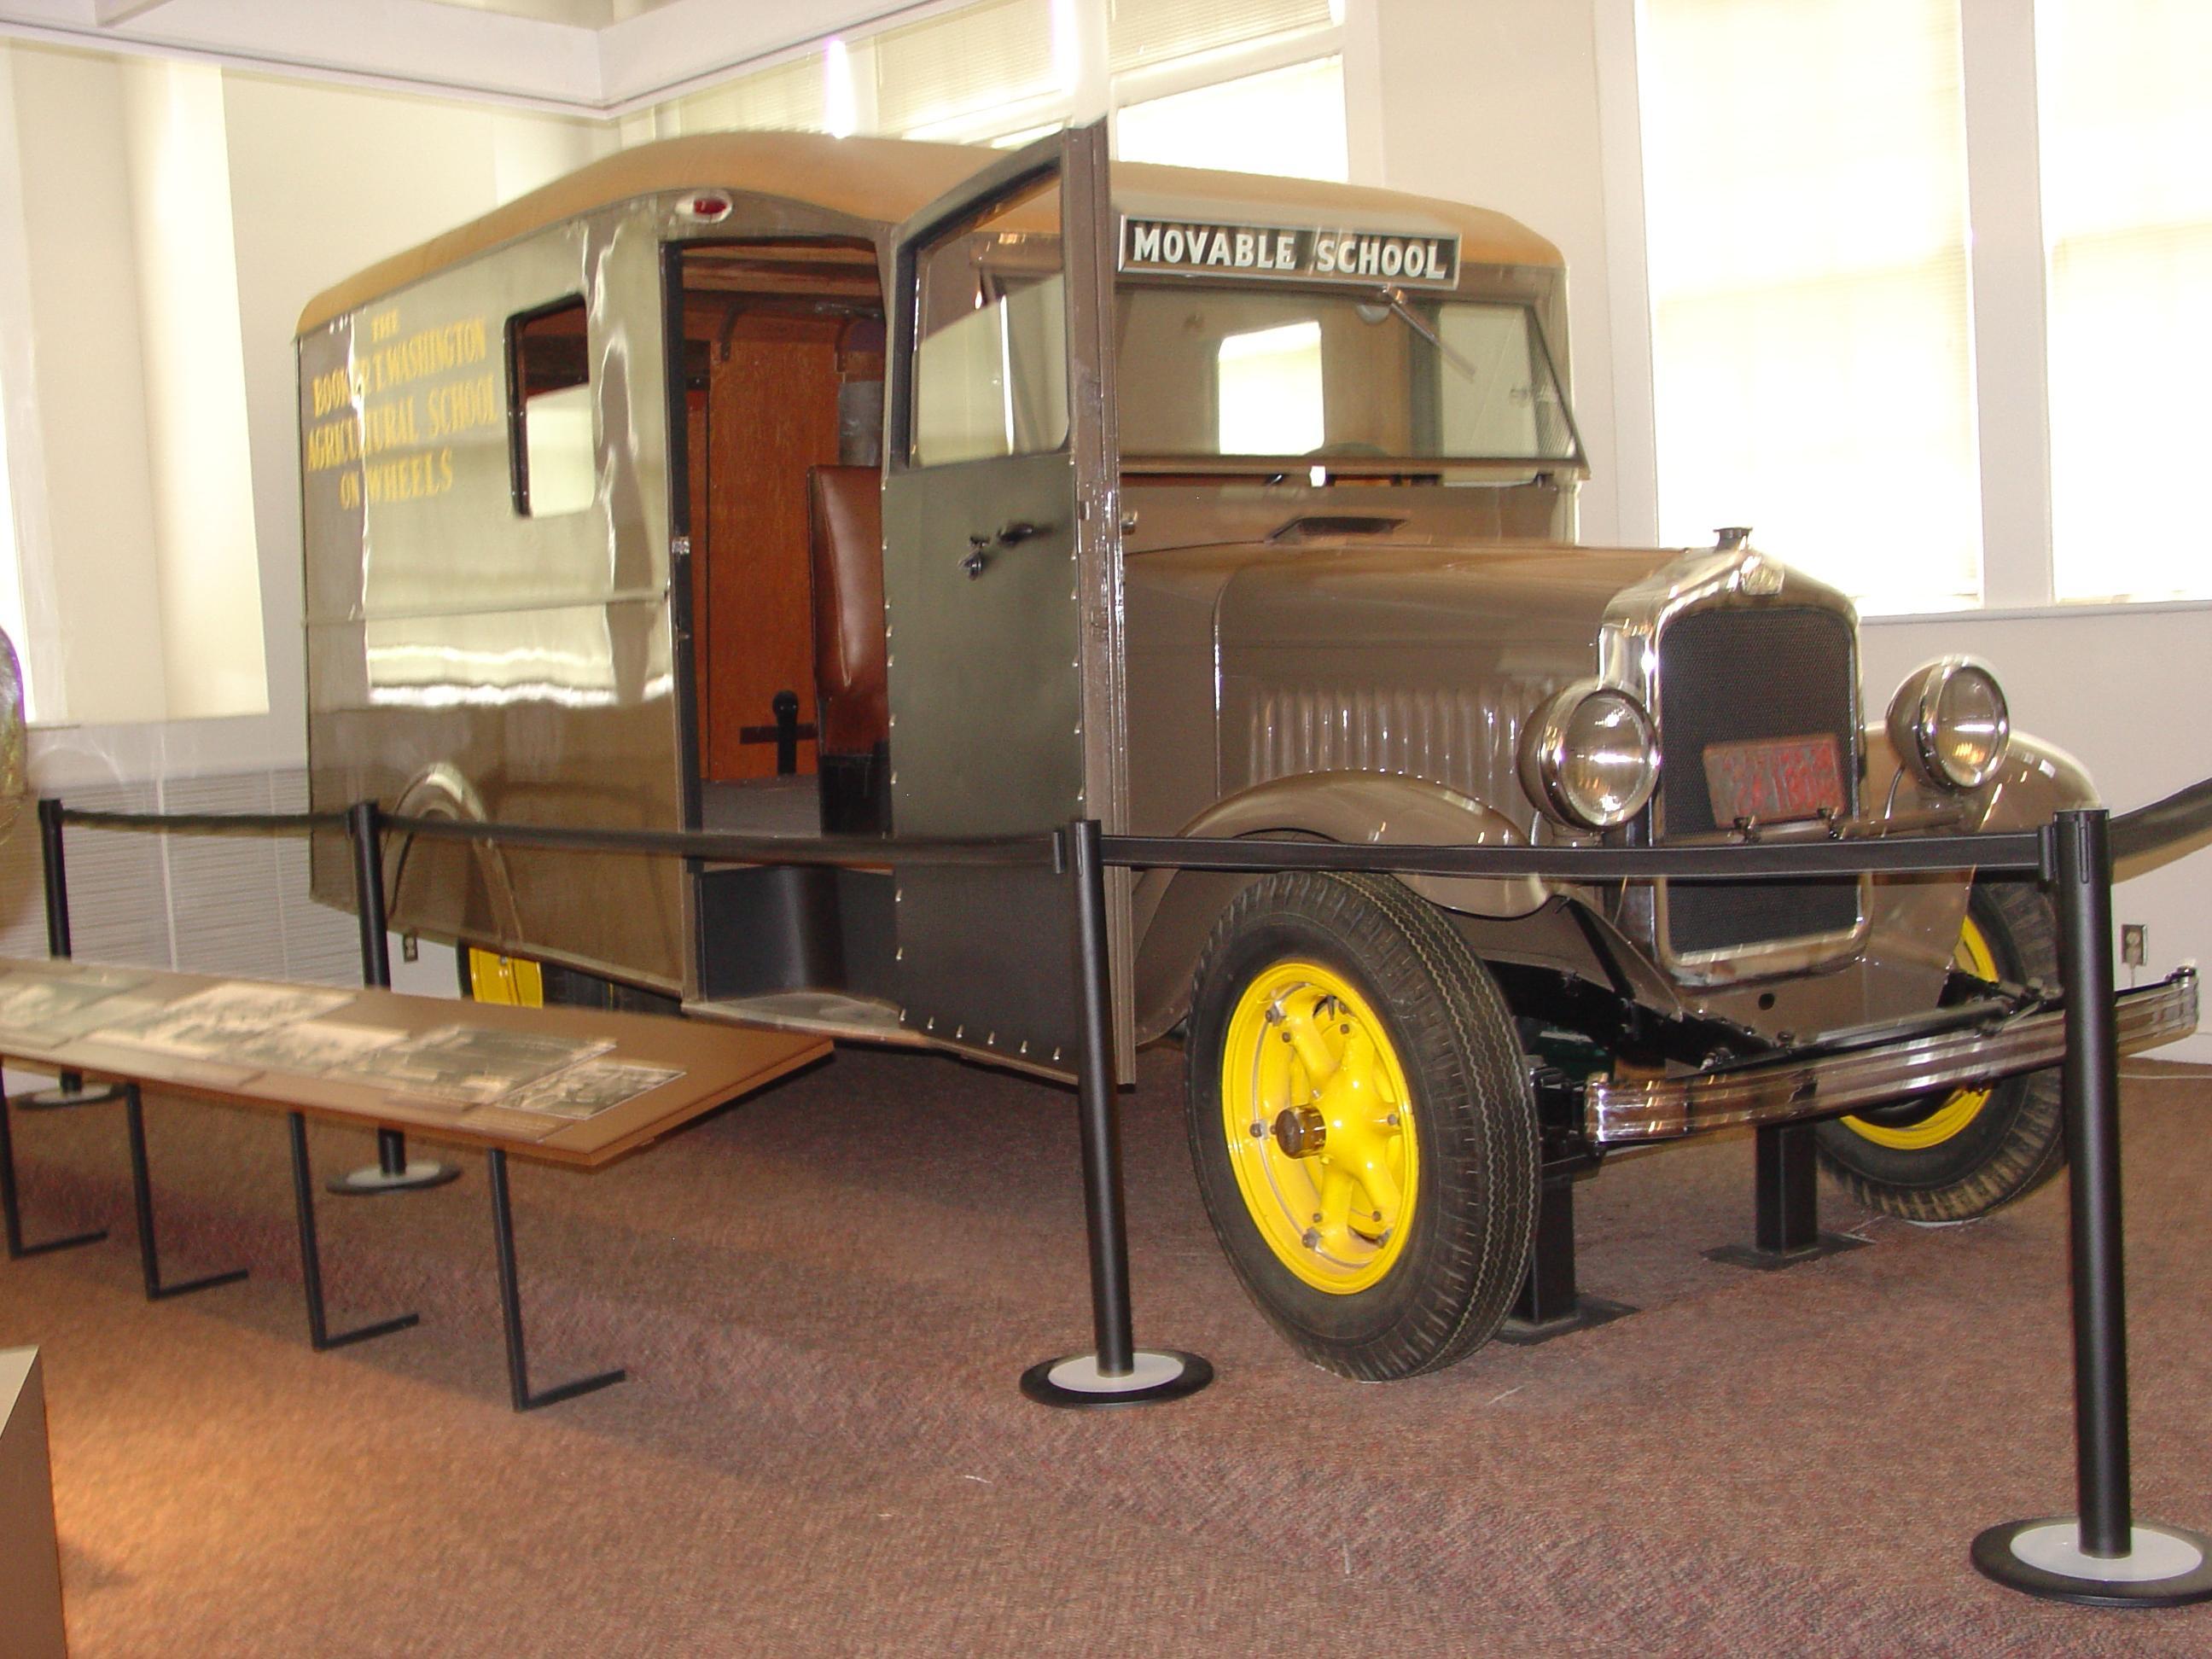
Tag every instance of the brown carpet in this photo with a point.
(824, 1297)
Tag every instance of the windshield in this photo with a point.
(1210, 372)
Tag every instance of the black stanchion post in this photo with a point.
(69, 1090)
(1116, 1372)
(2100, 1555)
(392, 1172)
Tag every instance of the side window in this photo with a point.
(548, 417)
(990, 372)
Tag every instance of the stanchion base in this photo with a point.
(1076, 1382)
(1587, 1314)
(370, 1180)
(2166, 1567)
(56, 1100)
(1750, 1255)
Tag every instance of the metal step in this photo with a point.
(825, 1013)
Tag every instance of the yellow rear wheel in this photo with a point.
(512, 982)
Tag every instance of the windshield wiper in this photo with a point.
(1395, 298)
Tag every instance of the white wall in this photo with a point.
(86, 365)
(163, 366)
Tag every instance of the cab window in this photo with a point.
(990, 372)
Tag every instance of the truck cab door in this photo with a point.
(1002, 589)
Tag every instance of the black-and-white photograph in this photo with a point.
(55, 1007)
(214, 1023)
(587, 1088)
(472, 1066)
(315, 1047)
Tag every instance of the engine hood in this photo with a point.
(1420, 660)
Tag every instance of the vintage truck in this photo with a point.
(795, 486)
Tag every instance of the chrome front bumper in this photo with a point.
(1820, 1085)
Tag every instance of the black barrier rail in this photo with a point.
(2101, 1555)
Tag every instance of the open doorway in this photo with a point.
(783, 371)
(781, 493)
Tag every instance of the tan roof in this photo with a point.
(888, 179)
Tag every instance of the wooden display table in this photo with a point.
(573, 1086)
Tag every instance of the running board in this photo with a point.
(818, 1014)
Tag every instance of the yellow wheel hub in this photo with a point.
(1963, 1106)
(1319, 1126)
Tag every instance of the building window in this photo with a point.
(1812, 356)
(1247, 85)
(1288, 121)
(2127, 221)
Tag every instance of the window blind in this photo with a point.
(947, 70)
(1812, 350)
(2127, 222)
(1140, 34)
(790, 96)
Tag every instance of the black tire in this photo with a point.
(1466, 1249)
(2012, 1145)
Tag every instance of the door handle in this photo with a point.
(1011, 534)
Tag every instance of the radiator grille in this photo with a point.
(1738, 676)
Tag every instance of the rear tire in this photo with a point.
(1397, 1039)
(1955, 1156)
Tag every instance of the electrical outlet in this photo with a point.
(2134, 944)
(411, 948)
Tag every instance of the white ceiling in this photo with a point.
(596, 58)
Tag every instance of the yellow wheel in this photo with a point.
(1318, 1120)
(520, 981)
(1361, 1123)
(1953, 1156)
(512, 982)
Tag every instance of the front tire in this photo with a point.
(1955, 1156)
(1361, 1123)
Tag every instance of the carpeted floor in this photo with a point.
(824, 1297)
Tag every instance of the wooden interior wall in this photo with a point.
(771, 414)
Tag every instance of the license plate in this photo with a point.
(1775, 780)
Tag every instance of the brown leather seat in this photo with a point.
(845, 508)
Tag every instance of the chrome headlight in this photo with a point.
(1949, 725)
(1587, 758)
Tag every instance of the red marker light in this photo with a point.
(706, 206)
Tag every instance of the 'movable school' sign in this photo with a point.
(1186, 247)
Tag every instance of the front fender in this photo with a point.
(1914, 921)
(1174, 911)
(2037, 780)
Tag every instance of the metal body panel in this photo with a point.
(1002, 601)
(464, 657)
